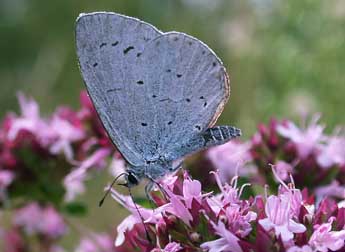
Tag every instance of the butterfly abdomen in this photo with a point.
(220, 134)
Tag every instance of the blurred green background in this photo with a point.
(285, 58)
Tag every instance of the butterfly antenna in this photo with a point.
(141, 217)
(109, 189)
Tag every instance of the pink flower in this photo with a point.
(149, 216)
(227, 243)
(117, 166)
(305, 248)
(28, 218)
(283, 169)
(178, 208)
(36, 220)
(180, 205)
(332, 190)
(324, 239)
(230, 159)
(238, 220)
(29, 120)
(13, 241)
(170, 247)
(74, 181)
(191, 190)
(51, 223)
(294, 197)
(97, 160)
(74, 186)
(228, 204)
(96, 243)
(333, 153)
(126, 225)
(6, 178)
(279, 219)
(230, 194)
(306, 140)
(65, 134)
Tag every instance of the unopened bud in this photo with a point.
(171, 218)
(195, 237)
(223, 218)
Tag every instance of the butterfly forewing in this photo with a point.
(108, 45)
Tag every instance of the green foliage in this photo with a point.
(40, 178)
(75, 209)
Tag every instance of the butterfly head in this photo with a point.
(132, 179)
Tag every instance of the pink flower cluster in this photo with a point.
(35, 222)
(73, 141)
(47, 160)
(96, 243)
(44, 162)
(314, 159)
(187, 219)
(34, 219)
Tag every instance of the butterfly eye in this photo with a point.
(132, 179)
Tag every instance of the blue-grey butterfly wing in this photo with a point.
(108, 47)
(186, 86)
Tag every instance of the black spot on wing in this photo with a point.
(128, 49)
(115, 43)
(140, 82)
(102, 45)
(95, 64)
(113, 90)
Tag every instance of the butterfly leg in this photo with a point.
(148, 189)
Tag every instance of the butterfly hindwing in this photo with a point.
(186, 86)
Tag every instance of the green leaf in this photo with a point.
(75, 208)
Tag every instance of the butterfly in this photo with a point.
(157, 94)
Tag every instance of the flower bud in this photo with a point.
(195, 237)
